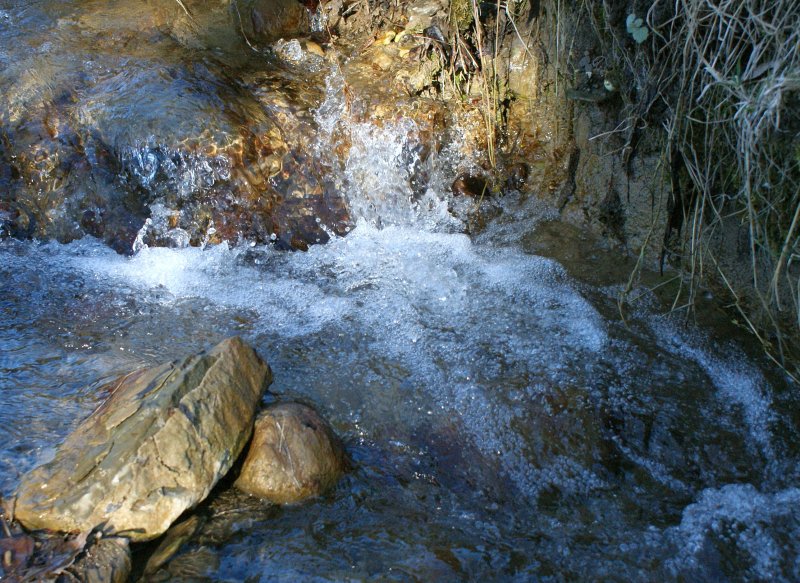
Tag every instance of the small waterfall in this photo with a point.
(388, 177)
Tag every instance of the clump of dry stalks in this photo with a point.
(722, 79)
(478, 34)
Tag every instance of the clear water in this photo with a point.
(504, 422)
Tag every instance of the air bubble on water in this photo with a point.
(737, 382)
(290, 50)
(741, 517)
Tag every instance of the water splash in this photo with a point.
(575, 438)
(382, 174)
(171, 173)
(405, 334)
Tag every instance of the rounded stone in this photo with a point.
(294, 455)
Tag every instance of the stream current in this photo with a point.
(504, 422)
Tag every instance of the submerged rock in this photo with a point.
(160, 126)
(273, 19)
(294, 455)
(106, 561)
(155, 448)
(171, 543)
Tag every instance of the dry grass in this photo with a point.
(478, 31)
(720, 81)
(722, 78)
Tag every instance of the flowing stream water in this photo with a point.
(505, 423)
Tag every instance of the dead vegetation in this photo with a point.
(718, 81)
(721, 80)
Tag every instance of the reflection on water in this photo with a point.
(504, 421)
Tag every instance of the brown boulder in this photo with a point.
(294, 455)
(153, 449)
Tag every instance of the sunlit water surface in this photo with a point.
(504, 422)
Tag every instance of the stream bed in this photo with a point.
(504, 421)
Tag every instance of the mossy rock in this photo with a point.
(461, 14)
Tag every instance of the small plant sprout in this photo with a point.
(636, 28)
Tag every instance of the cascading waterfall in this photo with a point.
(381, 165)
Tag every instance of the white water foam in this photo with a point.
(737, 382)
(431, 301)
(740, 515)
(381, 165)
(445, 308)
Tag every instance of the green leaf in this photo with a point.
(636, 28)
(640, 35)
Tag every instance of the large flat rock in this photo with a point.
(155, 448)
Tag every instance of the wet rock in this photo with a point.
(108, 560)
(197, 565)
(470, 185)
(301, 53)
(15, 552)
(216, 144)
(221, 26)
(155, 448)
(175, 537)
(422, 12)
(9, 221)
(517, 176)
(314, 48)
(45, 556)
(294, 455)
(384, 58)
(417, 80)
(273, 19)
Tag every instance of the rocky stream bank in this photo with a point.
(193, 123)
